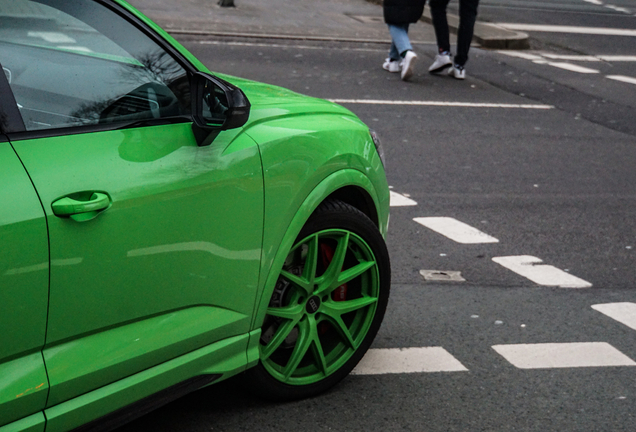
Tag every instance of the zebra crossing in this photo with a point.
(565, 62)
(530, 267)
(437, 359)
(521, 356)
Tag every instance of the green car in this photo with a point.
(163, 228)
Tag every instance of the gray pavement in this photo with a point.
(343, 20)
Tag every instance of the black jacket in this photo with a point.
(403, 11)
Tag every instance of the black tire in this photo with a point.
(337, 329)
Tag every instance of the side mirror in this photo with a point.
(216, 106)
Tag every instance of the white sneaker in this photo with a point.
(391, 65)
(408, 62)
(442, 61)
(457, 72)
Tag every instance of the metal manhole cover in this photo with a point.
(442, 276)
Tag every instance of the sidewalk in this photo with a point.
(336, 20)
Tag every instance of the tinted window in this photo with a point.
(75, 62)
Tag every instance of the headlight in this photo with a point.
(378, 145)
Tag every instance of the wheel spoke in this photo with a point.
(337, 309)
(292, 312)
(302, 345)
(331, 275)
(281, 334)
(311, 263)
(298, 281)
(342, 328)
(316, 348)
(354, 272)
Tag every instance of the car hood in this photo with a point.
(270, 101)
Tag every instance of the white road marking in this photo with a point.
(618, 58)
(583, 58)
(563, 355)
(587, 58)
(533, 268)
(569, 29)
(306, 47)
(622, 78)
(520, 54)
(407, 360)
(398, 200)
(619, 9)
(596, 2)
(574, 68)
(456, 230)
(624, 313)
(439, 103)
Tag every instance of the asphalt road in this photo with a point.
(555, 181)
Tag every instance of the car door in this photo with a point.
(155, 242)
(24, 274)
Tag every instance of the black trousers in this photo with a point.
(467, 17)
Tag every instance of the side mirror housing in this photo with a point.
(216, 106)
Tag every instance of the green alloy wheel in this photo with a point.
(327, 305)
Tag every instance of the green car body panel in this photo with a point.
(201, 233)
(150, 238)
(24, 272)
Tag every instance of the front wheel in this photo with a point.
(327, 306)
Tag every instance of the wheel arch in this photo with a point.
(359, 198)
(348, 185)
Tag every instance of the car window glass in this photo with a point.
(76, 62)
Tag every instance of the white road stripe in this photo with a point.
(456, 230)
(533, 268)
(587, 58)
(306, 47)
(522, 55)
(583, 58)
(624, 313)
(574, 68)
(619, 9)
(569, 29)
(439, 103)
(398, 200)
(617, 58)
(407, 360)
(622, 78)
(563, 355)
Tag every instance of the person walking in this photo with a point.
(467, 17)
(398, 15)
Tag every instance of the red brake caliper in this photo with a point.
(340, 293)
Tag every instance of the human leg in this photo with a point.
(392, 62)
(401, 45)
(467, 17)
(440, 23)
(400, 40)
